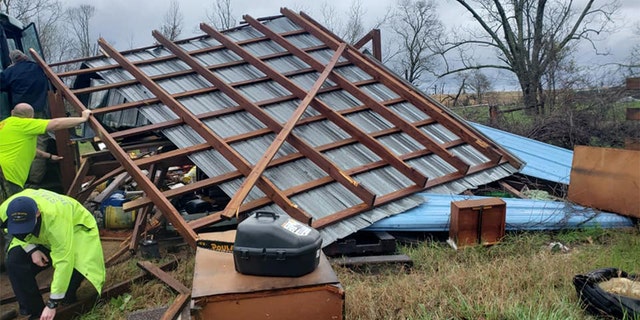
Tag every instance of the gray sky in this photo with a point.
(128, 24)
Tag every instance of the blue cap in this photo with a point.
(21, 215)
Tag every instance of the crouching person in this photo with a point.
(50, 229)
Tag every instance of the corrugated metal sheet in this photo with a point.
(433, 215)
(542, 160)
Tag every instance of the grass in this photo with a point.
(519, 278)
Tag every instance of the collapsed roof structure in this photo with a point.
(281, 115)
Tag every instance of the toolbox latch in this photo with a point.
(280, 255)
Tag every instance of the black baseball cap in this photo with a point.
(21, 215)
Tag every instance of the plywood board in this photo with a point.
(606, 179)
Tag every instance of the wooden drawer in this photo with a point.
(477, 221)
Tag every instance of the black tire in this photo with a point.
(601, 302)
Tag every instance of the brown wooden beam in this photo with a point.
(257, 203)
(190, 93)
(78, 180)
(145, 161)
(513, 191)
(176, 307)
(374, 37)
(139, 227)
(72, 310)
(64, 145)
(153, 60)
(163, 276)
(137, 203)
(285, 132)
(142, 180)
(211, 114)
(187, 72)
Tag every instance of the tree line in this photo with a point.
(533, 40)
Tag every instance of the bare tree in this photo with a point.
(528, 35)
(418, 28)
(26, 10)
(330, 17)
(79, 22)
(221, 15)
(172, 22)
(47, 16)
(56, 43)
(479, 84)
(350, 28)
(633, 62)
(354, 29)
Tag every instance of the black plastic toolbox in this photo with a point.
(270, 244)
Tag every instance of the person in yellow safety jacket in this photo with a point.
(50, 229)
(18, 150)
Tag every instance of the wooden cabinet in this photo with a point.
(477, 221)
(219, 292)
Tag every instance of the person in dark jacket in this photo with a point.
(25, 81)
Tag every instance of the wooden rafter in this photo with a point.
(143, 182)
(376, 44)
(185, 94)
(259, 111)
(140, 202)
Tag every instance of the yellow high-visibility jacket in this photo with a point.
(70, 232)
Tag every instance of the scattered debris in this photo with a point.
(558, 247)
(367, 261)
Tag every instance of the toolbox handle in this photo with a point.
(267, 213)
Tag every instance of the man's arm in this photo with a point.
(47, 155)
(70, 122)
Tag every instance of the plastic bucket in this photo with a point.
(114, 216)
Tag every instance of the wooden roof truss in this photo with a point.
(344, 55)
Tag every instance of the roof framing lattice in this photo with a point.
(280, 114)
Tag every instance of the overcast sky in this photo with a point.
(128, 24)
